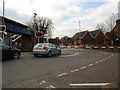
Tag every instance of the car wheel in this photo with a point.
(59, 53)
(49, 54)
(16, 55)
(35, 55)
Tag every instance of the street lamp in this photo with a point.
(79, 32)
(35, 14)
(79, 35)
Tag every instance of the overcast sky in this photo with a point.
(65, 14)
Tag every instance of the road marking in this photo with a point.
(51, 86)
(83, 67)
(112, 54)
(96, 62)
(61, 74)
(70, 55)
(74, 70)
(105, 59)
(100, 60)
(109, 57)
(90, 65)
(89, 84)
(43, 82)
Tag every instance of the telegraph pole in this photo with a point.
(79, 32)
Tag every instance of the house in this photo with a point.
(66, 40)
(56, 40)
(98, 37)
(108, 41)
(115, 34)
(84, 38)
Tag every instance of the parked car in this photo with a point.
(46, 49)
(9, 52)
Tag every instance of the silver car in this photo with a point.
(46, 49)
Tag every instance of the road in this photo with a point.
(81, 68)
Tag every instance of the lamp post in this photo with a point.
(79, 34)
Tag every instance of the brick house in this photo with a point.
(108, 41)
(56, 40)
(66, 40)
(115, 34)
(99, 37)
(84, 38)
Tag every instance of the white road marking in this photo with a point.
(61, 74)
(104, 59)
(51, 86)
(109, 57)
(96, 62)
(74, 70)
(83, 67)
(100, 60)
(112, 54)
(70, 55)
(43, 82)
(90, 65)
(89, 84)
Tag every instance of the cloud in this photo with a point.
(62, 12)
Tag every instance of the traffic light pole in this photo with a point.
(37, 26)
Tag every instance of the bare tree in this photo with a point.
(101, 27)
(43, 24)
(111, 22)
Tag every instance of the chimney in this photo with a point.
(118, 22)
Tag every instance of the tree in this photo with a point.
(111, 22)
(101, 27)
(43, 24)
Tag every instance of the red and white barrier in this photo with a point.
(89, 47)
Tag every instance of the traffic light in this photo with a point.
(2, 28)
(39, 34)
